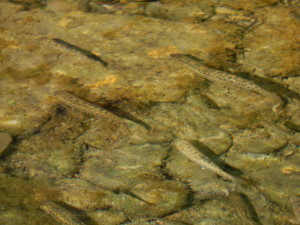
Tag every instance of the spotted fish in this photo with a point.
(222, 77)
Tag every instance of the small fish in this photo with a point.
(83, 106)
(196, 156)
(198, 67)
(80, 50)
(60, 214)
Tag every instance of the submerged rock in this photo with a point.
(108, 216)
(155, 222)
(174, 12)
(134, 171)
(210, 212)
(83, 195)
(65, 6)
(51, 153)
(267, 51)
(122, 169)
(127, 171)
(259, 141)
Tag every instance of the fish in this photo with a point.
(60, 214)
(228, 79)
(80, 50)
(188, 150)
(84, 106)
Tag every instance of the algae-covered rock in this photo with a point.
(104, 217)
(83, 195)
(20, 109)
(123, 168)
(136, 207)
(153, 222)
(155, 80)
(209, 212)
(279, 181)
(148, 198)
(247, 5)
(52, 153)
(167, 196)
(259, 141)
(135, 170)
(268, 53)
(104, 134)
(17, 216)
(189, 122)
(175, 12)
(59, 6)
(20, 200)
(217, 140)
(117, 58)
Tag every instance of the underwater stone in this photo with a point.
(122, 169)
(167, 196)
(17, 216)
(135, 207)
(7, 9)
(258, 141)
(191, 123)
(50, 153)
(155, 222)
(108, 216)
(83, 195)
(213, 212)
(63, 6)
(173, 12)
(217, 140)
(270, 46)
(5, 140)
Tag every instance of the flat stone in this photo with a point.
(258, 141)
(122, 169)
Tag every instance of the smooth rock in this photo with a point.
(104, 217)
(216, 140)
(83, 195)
(122, 169)
(258, 141)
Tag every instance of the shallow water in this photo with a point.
(109, 127)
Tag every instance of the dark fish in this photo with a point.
(80, 50)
